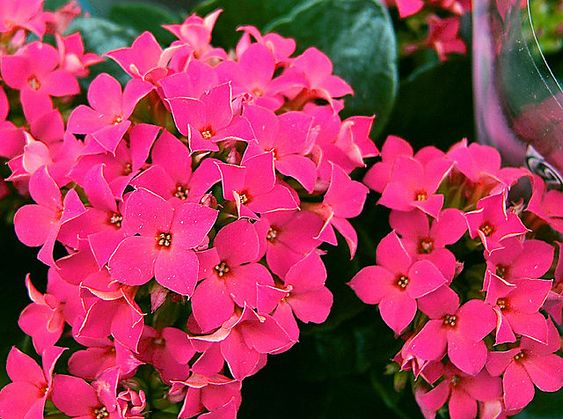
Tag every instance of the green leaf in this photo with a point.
(242, 12)
(140, 17)
(544, 406)
(435, 105)
(358, 36)
(100, 36)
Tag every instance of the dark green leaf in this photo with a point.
(142, 17)
(435, 105)
(358, 36)
(544, 406)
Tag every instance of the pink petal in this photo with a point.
(176, 269)
(188, 111)
(141, 139)
(497, 361)
(312, 306)
(173, 155)
(430, 343)
(134, 91)
(449, 227)
(242, 281)
(73, 396)
(392, 255)
(17, 399)
(191, 224)
(60, 83)
(260, 176)
(147, 214)
(475, 320)
(346, 229)
(468, 356)
(211, 304)
(279, 198)
(33, 223)
(44, 190)
(434, 399)
(517, 387)
(104, 95)
(307, 275)
(424, 278)
(545, 371)
(85, 120)
(372, 283)
(397, 310)
(240, 358)
(132, 263)
(345, 196)
(243, 233)
(462, 405)
(300, 168)
(217, 104)
(532, 325)
(110, 135)
(22, 368)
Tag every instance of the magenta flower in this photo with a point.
(31, 385)
(517, 308)
(281, 47)
(26, 14)
(230, 275)
(459, 329)
(254, 188)
(107, 117)
(76, 398)
(462, 392)
(492, 222)
(39, 224)
(532, 363)
(478, 163)
(209, 119)
(289, 137)
(72, 56)
(414, 185)
(170, 174)
(378, 176)
(546, 205)
(429, 241)
(395, 283)
(163, 245)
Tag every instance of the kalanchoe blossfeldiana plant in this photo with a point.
(470, 288)
(181, 215)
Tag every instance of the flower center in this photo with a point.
(222, 269)
(34, 83)
(501, 271)
(487, 229)
(272, 234)
(450, 320)
(402, 281)
(127, 169)
(117, 120)
(116, 219)
(181, 192)
(454, 381)
(519, 356)
(426, 245)
(502, 304)
(421, 195)
(164, 239)
(243, 198)
(101, 413)
(207, 133)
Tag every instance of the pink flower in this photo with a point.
(76, 398)
(532, 363)
(546, 205)
(414, 185)
(461, 392)
(378, 176)
(517, 308)
(459, 329)
(39, 224)
(477, 162)
(145, 59)
(163, 246)
(25, 14)
(289, 137)
(31, 386)
(107, 119)
(429, 241)
(396, 283)
(492, 222)
(254, 188)
(444, 36)
(72, 56)
(281, 47)
(230, 275)
(209, 119)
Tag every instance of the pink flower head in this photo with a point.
(72, 56)
(34, 71)
(396, 283)
(76, 398)
(43, 320)
(532, 363)
(429, 241)
(145, 59)
(517, 308)
(289, 137)
(39, 224)
(170, 174)
(231, 274)
(31, 385)
(546, 205)
(477, 162)
(107, 117)
(344, 199)
(462, 392)
(209, 119)
(25, 14)
(168, 350)
(378, 176)
(492, 222)
(288, 236)
(281, 47)
(413, 185)
(165, 236)
(254, 188)
(459, 329)
(444, 36)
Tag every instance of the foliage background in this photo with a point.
(338, 368)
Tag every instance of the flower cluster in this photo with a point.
(441, 19)
(180, 216)
(465, 278)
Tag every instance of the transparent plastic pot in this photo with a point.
(518, 101)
